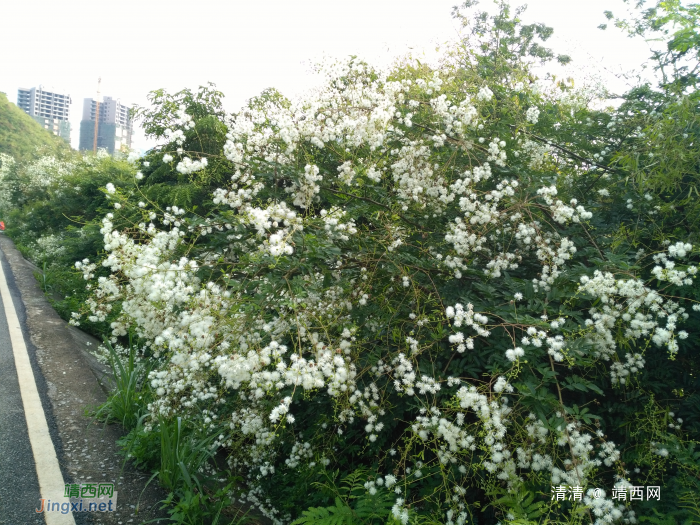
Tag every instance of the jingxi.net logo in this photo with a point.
(82, 497)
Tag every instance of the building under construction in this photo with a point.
(114, 125)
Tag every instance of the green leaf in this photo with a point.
(340, 514)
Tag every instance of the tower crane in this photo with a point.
(98, 99)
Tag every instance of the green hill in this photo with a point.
(20, 135)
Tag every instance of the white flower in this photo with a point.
(532, 115)
(484, 94)
(514, 354)
(187, 165)
(501, 385)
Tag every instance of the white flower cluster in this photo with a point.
(484, 94)
(493, 416)
(187, 165)
(582, 459)
(305, 190)
(177, 135)
(300, 452)
(631, 304)
(497, 155)
(537, 152)
(49, 247)
(514, 354)
(417, 180)
(532, 115)
(87, 268)
(467, 317)
(458, 119)
(561, 212)
(619, 372)
(668, 271)
(400, 512)
(334, 225)
(605, 510)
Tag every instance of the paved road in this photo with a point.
(19, 487)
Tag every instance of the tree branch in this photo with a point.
(337, 192)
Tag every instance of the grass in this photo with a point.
(126, 404)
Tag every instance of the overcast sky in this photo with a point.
(244, 47)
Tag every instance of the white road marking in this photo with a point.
(51, 484)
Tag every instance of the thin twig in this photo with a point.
(366, 199)
(567, 151)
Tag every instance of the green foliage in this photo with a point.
(126, 402)
(670, 518)
(162, 183)
(162, 115)
(523, 505)
(353, 504)
(141, 446)
(340, 514)
(499, 44)
(182, 456)
(633, 166)
(192, 508)
(674, 23)
(52, 206)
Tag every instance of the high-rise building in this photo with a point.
(48, 107)
(114, 128)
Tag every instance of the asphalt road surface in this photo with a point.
(19, 486)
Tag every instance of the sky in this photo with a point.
(136, 46)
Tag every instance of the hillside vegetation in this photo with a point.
(20, 135)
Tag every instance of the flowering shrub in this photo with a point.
(398, 278)
(433, 293)
(49, 205)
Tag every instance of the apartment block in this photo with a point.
(114, 129)
(48, 107)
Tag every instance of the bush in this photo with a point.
(405, 278)
(51, 205)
